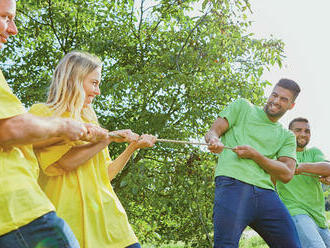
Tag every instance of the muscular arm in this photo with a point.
(281, 169)
(27, 129)
(319, 168)
(218, 128)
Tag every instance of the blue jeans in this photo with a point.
(46, 231)
(238, 205)
(136, 245)
(310, 234)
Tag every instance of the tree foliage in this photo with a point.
(170, 66)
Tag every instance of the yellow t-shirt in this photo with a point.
(21, 199)
(84, 198)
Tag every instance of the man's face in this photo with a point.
(280, 101)
(303, 133)
(7, 16)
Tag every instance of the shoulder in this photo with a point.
(314, 150)
(40, 109)
(241, 103)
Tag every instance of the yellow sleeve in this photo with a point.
(48, 156)
(108, 160)
(10, 105)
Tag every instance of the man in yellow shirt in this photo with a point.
(27, 217)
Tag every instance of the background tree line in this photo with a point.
(167, 71)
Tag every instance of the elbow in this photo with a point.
(285, 178)
(67, 167)
(9, 132)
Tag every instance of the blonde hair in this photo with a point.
(66, 92)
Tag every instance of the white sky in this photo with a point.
(303, 25)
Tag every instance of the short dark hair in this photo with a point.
(298, 119)
(289, 85)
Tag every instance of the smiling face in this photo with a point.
(91, 85)
(303, 133)
(7, 16)
(280, 101)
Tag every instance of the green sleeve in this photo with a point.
(289, 146)
(318, 155)
(234, 110)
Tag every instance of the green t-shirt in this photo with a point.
(249, 125)
(304, 194)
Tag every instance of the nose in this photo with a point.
(12, 29)
(276, 100)
(97, 90)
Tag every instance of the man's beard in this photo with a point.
(277, 114)
(300, 145)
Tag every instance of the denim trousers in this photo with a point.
(310, 234)
(46, 231)
(136, 245)
(238, 205)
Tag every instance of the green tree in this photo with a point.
(167, 72)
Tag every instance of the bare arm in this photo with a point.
(27, 129)
(319, 168)
(99, 139)
(218, 128)
(78, 155)
(281, 169)
(119, 163)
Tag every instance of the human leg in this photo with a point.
(232, 211)
(136, 245)
(46, 231)
(308, 232)
(274, 223)
(325, 234)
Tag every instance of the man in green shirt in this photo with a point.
(254, 149)
(303, 195)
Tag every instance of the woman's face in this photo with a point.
(91, 85)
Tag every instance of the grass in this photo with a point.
(176, 245)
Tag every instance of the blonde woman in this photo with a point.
(76, 175)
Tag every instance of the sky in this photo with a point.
(303, 26)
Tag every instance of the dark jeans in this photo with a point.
(136, 245)
(47, 231)
(238, 205)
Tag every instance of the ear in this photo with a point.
(292, 105)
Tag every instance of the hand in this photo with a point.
(125, 135)
(96, 133)
(73, 130)
(145, 140)
(215, 145)
(245, 152)
(298, 170)
(325, 180)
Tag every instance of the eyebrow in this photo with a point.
(12, 15)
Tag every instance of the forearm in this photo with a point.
(277, 169)
(79, 155)
(320, 168)
(119, 163)
(218, 128)
(27, 128)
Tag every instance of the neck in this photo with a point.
(300, 149)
